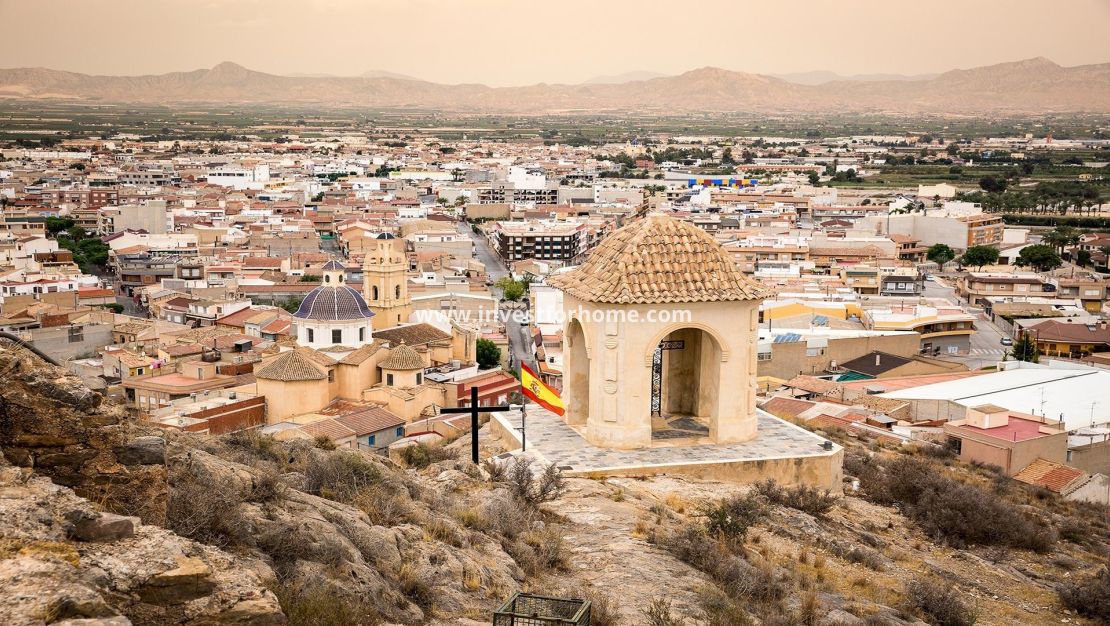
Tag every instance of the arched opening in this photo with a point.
(374, 292)
(685, 385)
(397, 292)
(576, 374)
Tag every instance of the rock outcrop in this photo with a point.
(52, 423)
(64, 562)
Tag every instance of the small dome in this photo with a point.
(333, 303)
(333, 265)
(386, 236)
(403, 357)
(658, 259)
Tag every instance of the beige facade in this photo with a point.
(659, 299)
(787, 360)
(385, 284)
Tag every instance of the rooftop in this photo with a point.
(658, 259)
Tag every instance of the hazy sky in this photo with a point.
(507, 42)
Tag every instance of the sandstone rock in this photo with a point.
(95, 621)
(148, 450)
(191, 579)
(86, 526)
(839, 617)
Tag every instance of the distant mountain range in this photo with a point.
(1029, 86)
(824, 76)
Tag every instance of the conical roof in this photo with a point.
(656, 260)
(402, 357)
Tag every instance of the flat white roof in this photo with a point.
(1075, 396)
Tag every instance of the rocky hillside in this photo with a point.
(1030, 86)
(245, 530)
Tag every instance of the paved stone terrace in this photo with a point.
(551, 439)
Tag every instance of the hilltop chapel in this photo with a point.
(661, 329)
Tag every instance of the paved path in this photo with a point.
(549, 438)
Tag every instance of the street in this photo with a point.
(986, 347)
(520, 339)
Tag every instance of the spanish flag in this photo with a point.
(545, 396)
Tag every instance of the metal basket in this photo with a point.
(525, 609)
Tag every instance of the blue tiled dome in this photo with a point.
(333, 303)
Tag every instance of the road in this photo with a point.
(520, 338)
(986, 346)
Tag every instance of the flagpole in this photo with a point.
(523, 411)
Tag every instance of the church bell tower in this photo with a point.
(385, 284)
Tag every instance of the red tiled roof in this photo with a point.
(1050, 475)
(789, 408)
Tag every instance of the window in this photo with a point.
(763, 356)
(419, 378)
(374, 292)
(362, 334)
(389, 379)
(76, 334)
(331, 376)
(397, 292)
(337, 336)
(400, 431)
(371, 440)
(310, 338)
(139, 371)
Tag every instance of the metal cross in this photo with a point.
(474, 410)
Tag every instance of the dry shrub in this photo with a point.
(865, 557)
(603, 608)
(204, 507)
(731, 517)
(714, 556)
(658, 613)
(420, 455)
(948, 509)
(415, 588)
(806, 499)
(286, 544)
(940, 602)
(717, 609)
(323, 442)
(531, 489)
(384, 505)
(537, 551)
(1090, 598)
(316, 605)
(266, 486)
(255, 444)
(339, 476)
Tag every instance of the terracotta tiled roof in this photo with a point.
(403, 357)
(412, 334)
(290, 366)
(363, 353)
(781, 406)
(655, 260)
(813, 384)
(329, 428)
(1050, 475)
(370, 420)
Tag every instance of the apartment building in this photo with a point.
(974, 287)
(1090, 291)
(542, 240)
(942, 330)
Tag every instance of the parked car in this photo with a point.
(1006, 341)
